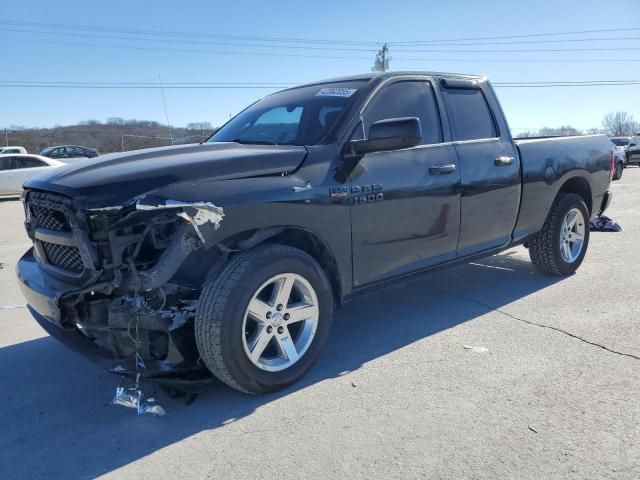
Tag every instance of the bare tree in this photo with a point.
(381, 63)
(620, 124)
(525, 134)
(563, 130)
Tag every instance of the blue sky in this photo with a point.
(38, 57)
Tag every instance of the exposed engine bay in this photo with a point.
(125, 291)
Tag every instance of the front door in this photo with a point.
(406, 206)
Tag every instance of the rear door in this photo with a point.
(75, 152)
(490, 184)
(406, 207)
(8, 180)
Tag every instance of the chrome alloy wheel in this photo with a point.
(572, 235)
(280, 322)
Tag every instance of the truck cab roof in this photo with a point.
(381, 76)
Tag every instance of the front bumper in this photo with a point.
(41, 290)
(43, 293)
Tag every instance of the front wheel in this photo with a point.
(561, 245)
(261, 323)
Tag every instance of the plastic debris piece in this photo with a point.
(476, 349)
(134, 398)
(602, 223)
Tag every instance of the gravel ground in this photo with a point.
(551, 391)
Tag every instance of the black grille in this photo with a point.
(63, 256)
(49, 218)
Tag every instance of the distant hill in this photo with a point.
(106, 137)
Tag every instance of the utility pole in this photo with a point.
(166, 113)
(6, 137)
(381, 63)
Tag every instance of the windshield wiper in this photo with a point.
(246, 141)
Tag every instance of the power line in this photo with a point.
(376, 43)
(334, 48)
(186, 50)
(240, 85)
(332, 57)
(521, 60)
(498, 85)
(312, 47)
(165, 84)
(516, 42)
(186, 34)
(521, 50)
(192, 42)
(233, 83)
(133, 87)
(528, 35)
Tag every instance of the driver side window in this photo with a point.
(407, 99)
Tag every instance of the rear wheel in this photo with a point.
(561, 245)
(617, 173)
(262, 321)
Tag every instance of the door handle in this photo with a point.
(503, 160)
(442, 169)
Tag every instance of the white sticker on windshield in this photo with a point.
(336, 92)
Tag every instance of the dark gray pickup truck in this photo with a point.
(227, 258)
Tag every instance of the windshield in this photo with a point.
(620, 142)
(300, 116)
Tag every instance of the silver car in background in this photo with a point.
(15, 169)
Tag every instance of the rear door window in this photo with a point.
(30, 162)
(7, 163)
(407, 99)
(470, 114)
(75, 152)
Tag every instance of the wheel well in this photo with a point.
(205, 264)
(314, 246)
(579, 186)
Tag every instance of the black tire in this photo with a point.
(617, 173)
(544, 249)
(221, 310)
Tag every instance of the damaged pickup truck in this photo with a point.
(226, 259)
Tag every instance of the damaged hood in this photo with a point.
(118, 178)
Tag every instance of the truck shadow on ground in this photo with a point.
(56, 418)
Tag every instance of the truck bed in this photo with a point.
(547, 162)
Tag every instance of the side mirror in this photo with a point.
(632, 144)
(389, 134)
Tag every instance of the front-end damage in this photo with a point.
(115, 281)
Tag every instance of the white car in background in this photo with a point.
(12, 149)
(17, 169)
